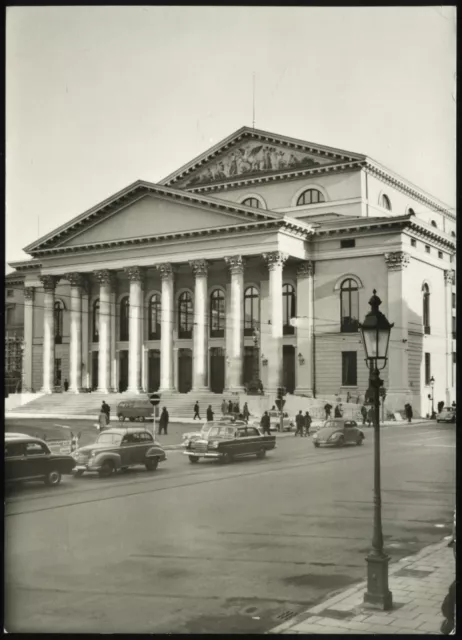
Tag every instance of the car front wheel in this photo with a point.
(121, 418)
(106, 469)
(316, 444)
(53, 478)
(193, 459)
(359, 441)
(79, 473)
(151, 465)
(261, 454)
(340, 441)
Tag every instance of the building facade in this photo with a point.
(259, 256)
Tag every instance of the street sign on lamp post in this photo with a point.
(154, 399)
(375, 334)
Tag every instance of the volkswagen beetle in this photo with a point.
(338, 432)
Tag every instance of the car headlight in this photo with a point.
(213, 445)
(92, 454)
(315, 436)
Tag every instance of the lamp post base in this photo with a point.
(378, 595)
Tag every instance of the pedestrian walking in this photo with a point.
(106, 409)
(338, 411)
(196, 411)
(236, 408)
(66, 384)
(364, 414)
(224, 407)
(265, 423)
(408, 411)
(300, 423)
(102, 420)
(245, 412)
(163, 421)
(209, 413)
(327, 409)
(308, 421)
(370, 416)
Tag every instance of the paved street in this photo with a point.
(211, 548)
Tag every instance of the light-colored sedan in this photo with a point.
(447, 414)
(338, 432)
(275, 421)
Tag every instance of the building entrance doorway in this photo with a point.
(250, 353)
(184, 370)
(58, 372)
(94, 369)
(288, 368)
(123, 371)
(217, 369)
(153, 370)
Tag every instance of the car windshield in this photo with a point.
(221, 432)
(109, 438)
(332, 424)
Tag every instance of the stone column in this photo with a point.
(28, 337)
(200, 333)
(398, 392)
(236, 344)
(448, 283)
(166, 331)
(77, 285)
(176, 379)
(305, 329)
(136, 277)
(106, 283)
(275, 261)
(49, 285)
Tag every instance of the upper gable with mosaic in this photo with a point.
(253, 157)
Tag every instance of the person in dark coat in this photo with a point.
(300, 423)
(209, 413)
(265, 423)
(364, 414)
(327, 409)
(370, 416)
(236, 407)
(66, 384)
(338, 411)
(308, 420)
(408, 411)
(440, 406)
(230, 406)
(163, 421)
(196, 411)
(105, 408)
(245, 412)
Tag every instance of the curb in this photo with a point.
(336, 596)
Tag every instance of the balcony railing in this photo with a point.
(349, 325)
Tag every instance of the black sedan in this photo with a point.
(29, 458)
(227, 442)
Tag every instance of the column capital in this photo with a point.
(49, 282)
(449, 276)
(135, 274)
(104, 276)
(29, 293)
(305, 269)
(199, 267)
(75, 279)
(235, 264)
(166, 270)
(397, 260)
(275, 259)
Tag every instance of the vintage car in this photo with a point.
(447, 414)
(338, 432)
(118, 449)
(224, 442)
(29, 458)
(275, 421)
(135, 410)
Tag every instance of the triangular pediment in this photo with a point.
(146, 210)
(249, 153)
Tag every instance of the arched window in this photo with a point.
(433, 223)
(217, 314)
(252, 202)
(95, 321)
(185, 315)
(386, 204)
(288, 308)
(154, 330)
(310, 196)
(349, 306)
(426, 308)
(251, 310)
(58, 313)
(124, 319)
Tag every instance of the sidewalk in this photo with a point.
(418, 583)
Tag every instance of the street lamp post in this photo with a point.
(432, 384)
(375, 334)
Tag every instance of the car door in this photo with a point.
(37, 459)
(126, 448)
(15, 460)
(254, 440)
(146, 443)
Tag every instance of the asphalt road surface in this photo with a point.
(212, 548)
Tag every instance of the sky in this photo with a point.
(98, 97)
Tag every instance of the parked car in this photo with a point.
(118, 449)
(135, 410)
(226, 442)
(29, 458)
(275, 421)
(338, 432)
(447, 414)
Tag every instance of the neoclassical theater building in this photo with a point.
(259, 255)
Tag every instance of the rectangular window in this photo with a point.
(454, 328)
(348, 243)
(428, 369)
(453, 300)
(413, 242)
(349, 369)
(454, 364)
(440, 255)
(10, 293)
(427, 248)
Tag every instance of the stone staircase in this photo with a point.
(181, 405)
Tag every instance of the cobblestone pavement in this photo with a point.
(418, 583)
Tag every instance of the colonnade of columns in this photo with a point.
(168, 371)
